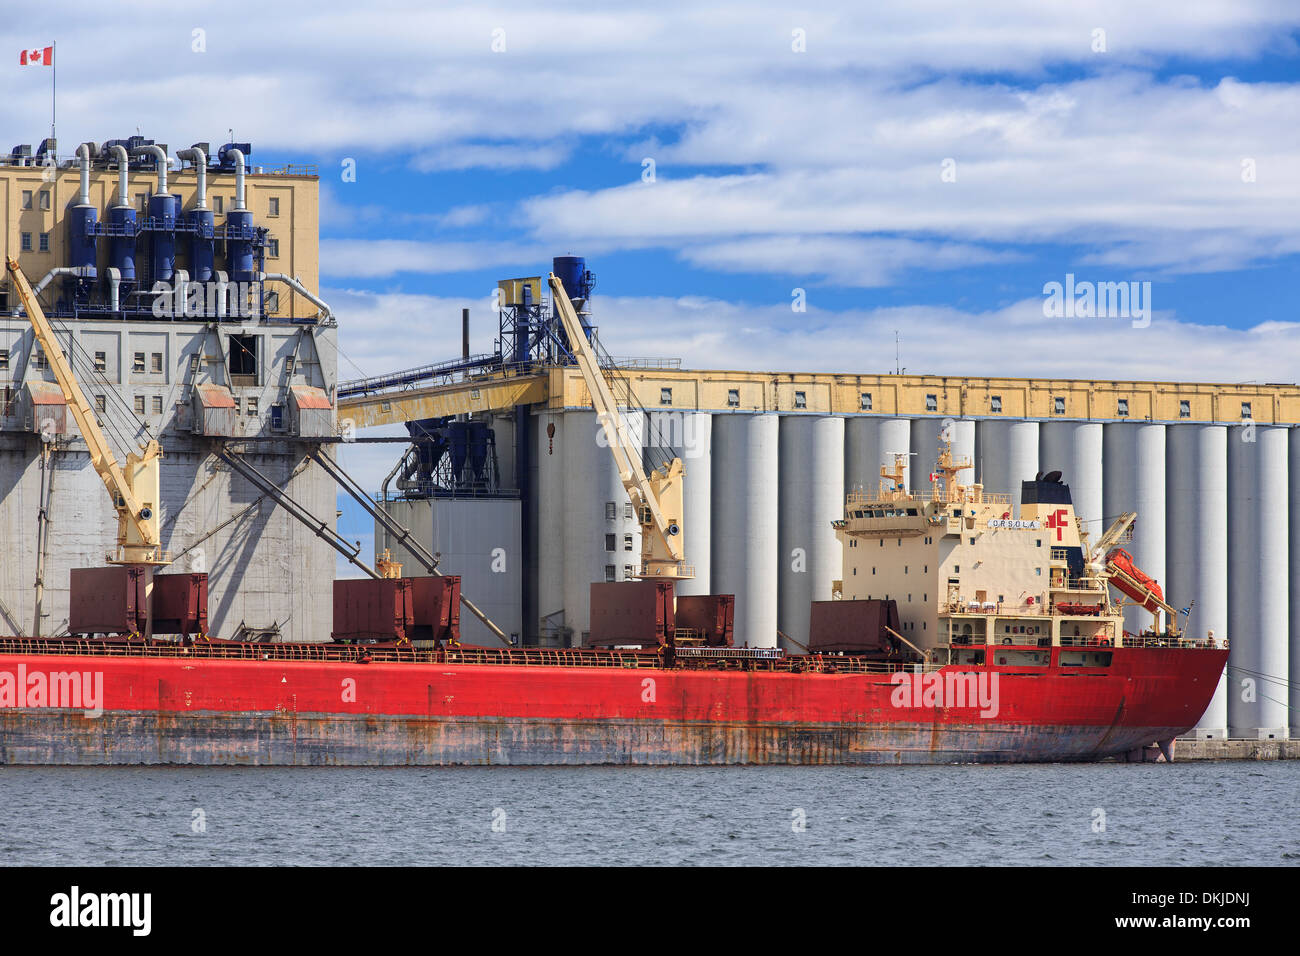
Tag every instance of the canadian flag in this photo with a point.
(934, 476)
(37, 57)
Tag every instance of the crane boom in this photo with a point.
(656, 498)
(135, 489)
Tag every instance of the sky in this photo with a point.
(921, 172)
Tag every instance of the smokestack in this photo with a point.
(464, 333)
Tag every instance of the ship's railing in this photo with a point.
(891, 497)
(1003, 608)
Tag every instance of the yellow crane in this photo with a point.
(656, 498)
(133, 488)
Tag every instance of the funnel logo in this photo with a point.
(950, 690)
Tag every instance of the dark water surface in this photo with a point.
(1231, 813)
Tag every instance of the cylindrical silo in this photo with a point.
(1196, 524)
(601, 540)
(926, 433)
(1008, 455)
(870, 443)
(745, 518)
(1258, 613)
(811, 476)
(1135, 481)
(696, 448)
(548, 452)
(1075, 449)
(1293, 509)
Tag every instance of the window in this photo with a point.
(4, 358)
(610, 542)
(141, 202)
(26, 242)
(101, 362)
(272, 307)
(101, 404)
(45, 242)
(609, 573)
(288, 365)
(45, 199)
(243, 360)
(218, 204)
(800, 399)
(627, 510)
(1245, 409)
(27, 199)
(611, 512)
(932, 403)
(956, 569)
(1184, 409)
(1038, 571)
(1058, 405)
(137, 362)
(39, 360)
(251, 407)
(628, 571)
(1121, 408)
(273, 248)
(139, 404)
(156, 362)
(237, 406)
(157, 404)
(627, 542)
(273, 206)
(277, 416)
(864, 401)
(665, 396)
(995, 403)
(733, 397)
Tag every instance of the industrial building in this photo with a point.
(182, 284)
(1213, 471)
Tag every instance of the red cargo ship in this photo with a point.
(958, 677)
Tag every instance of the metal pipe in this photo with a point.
(123, 175)
(160, 155)
(79, 272)
(223, 283)
(298, 287)
(195, 155)
(83, 155)
(114, 281)
(238, 157)
(464, 334)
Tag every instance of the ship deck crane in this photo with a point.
(656, 498)
(134, 488)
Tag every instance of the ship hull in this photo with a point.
(171, 710)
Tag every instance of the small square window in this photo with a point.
(628, 571)
(611, 512)
(627, 542)
(156, 361)
(273, 248)
(627, 510)
(609, 573)
(139, 405)
(238, 407)
(251, 407)
(39, 360)
(137, 362)
(101, 362)
(611, 542)
(1245, 409)
(932, 403)
(101, 404)
(1184, 409)
(665, 396)
(273, 206)
(45, 199)
(1121, 408)
(733, 397)
(4, 358)
(27, 199)
(800, 399)
(1058, 405)
(995, 403)
(26, 242)
(272, 307)
(45, 242)
(277, 416)
(218, 204)
(864, 401)
(157, 404)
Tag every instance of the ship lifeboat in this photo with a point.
(1067, 607)
(1133, 582)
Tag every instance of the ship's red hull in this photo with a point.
(172, 710)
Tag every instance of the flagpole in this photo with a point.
(54, 93)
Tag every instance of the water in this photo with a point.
(1191, 814)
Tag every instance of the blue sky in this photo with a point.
(793, 147)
